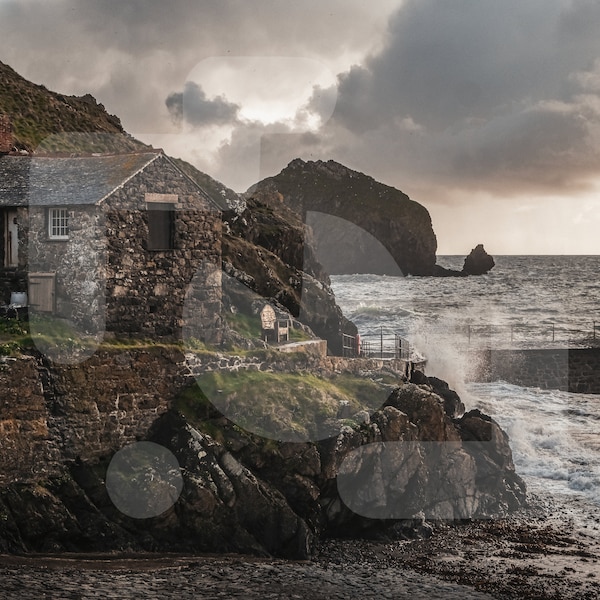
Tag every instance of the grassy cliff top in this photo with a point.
(37, 113)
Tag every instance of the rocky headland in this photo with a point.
(62, 425)
(357, 224)
(371, 455)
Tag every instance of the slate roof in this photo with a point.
(52, 181)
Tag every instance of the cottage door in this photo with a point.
(11, 240)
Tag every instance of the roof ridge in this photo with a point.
(194, 182)
(128, 179)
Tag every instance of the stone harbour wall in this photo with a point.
(52, 415)
(28, 447)
(568, 369)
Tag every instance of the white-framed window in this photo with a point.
(58, 223)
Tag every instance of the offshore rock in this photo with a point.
(359, 224)
(478, 262)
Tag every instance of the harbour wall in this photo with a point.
(568, 369)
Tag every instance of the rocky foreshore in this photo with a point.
(538, 554)
(463, 518)
(414, 457)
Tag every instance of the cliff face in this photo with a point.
(359, 224)
(37, 113)
(266, 249)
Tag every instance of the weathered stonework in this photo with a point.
(27, 447)
(79, 264)
(146, 289)
(52, 415)
(107, 277)
(574, 370)
(111, 399)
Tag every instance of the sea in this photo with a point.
(523, 302)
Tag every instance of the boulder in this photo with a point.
(431, 465)
(410, 460)
(478, 262)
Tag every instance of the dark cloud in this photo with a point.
(193, 107)
(132, 54)
(503, 96)
(463, 94)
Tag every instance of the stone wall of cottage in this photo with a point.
(163, 293)
(108, 280)
(79, 264)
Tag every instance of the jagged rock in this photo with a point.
(223, 507)
(478, 262)
(448, 468)
(223, 500)
(266, 257)
(407, 461)
(453, 405)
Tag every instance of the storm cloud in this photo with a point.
(495, 95)
(448, 100)
(198, 110)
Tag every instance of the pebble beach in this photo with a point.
(542, 553)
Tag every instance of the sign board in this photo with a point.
(267, 317)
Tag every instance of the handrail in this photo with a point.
(383, 346)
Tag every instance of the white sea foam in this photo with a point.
(523, 302)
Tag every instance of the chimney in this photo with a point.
(6, 135)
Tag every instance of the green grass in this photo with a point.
(14, 336)
(248, 326)
(297, 335)
(286, 406)
(45, 333)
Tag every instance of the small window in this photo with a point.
(58, 224)
(161, 224)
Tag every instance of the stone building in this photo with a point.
(111, 243)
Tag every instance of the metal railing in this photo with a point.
(383, 346)
(525, 333)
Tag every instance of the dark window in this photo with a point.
(161, 224)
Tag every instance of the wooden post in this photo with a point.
(381, 342)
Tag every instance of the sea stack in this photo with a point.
(479, 262)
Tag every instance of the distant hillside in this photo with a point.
(225, 197)
(37, 113)
(359, 224)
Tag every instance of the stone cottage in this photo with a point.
(111, 243)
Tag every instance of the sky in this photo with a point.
(487, 112)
